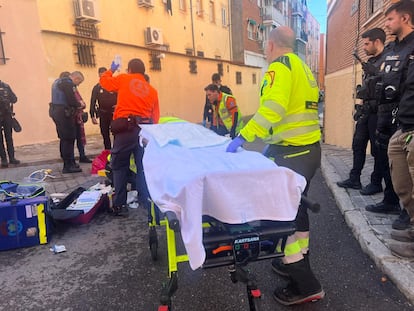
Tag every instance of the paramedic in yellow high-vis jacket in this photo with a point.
(287, 120)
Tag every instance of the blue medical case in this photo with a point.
(23, 222)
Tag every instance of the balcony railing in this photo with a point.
(270, 13)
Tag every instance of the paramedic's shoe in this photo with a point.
(349, 183)
(85, 159)
(383, 208)
(402, 222)
(118, 210)
(290, 295)
(279, 267)
(4, 163)
(371, 189)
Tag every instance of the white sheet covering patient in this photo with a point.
(189, 172)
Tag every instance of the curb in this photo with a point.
(397, 269)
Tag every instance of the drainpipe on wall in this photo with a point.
(230, 30)
(354, 71)
(192, 26)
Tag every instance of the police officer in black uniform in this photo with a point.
(7, 99)
(102, 106)
(62, 110)
(398, 20)
(366, 114)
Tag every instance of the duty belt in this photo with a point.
(142, 120)
(386, 107)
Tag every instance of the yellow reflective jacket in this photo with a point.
(288, 109)
(226, 110)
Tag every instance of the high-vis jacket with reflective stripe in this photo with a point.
(288, 110)
(226, 110)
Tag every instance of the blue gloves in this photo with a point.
(114, 66)
(237, 142)
(204, 123)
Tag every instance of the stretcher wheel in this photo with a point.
(256, 304)
(255, 300)
(153, 243)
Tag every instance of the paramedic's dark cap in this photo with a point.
(136, 65)
(102, 69)
(215, 77)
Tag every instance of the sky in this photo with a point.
(318, 9)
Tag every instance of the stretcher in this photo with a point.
(228, 209)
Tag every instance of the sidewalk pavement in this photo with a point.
(371, 230)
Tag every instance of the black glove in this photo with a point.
(369, 69)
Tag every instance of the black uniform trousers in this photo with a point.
(304, 160)
(105, 119)
(365, 130)
(385, 129)
(6, 130)
(125, 144)
(66, 131)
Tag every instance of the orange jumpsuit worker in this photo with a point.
(137, 103)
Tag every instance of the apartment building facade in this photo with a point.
(347, 20)
(181, 42)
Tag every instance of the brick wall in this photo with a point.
(347, 20)
(343, 34)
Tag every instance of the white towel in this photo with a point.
(185, 134)
(232, 187)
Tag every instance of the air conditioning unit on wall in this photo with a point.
(146, 3)
(86, 10)
(153, 36)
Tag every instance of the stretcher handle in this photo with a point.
(308, 203)
(173, 221)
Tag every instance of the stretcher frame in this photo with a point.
(233, 245)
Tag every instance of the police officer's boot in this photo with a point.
(12, 159)
(68, 167)
(303, 287)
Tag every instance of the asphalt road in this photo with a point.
(107, 266)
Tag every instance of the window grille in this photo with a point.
(200, 53)
(155, 61)
(193, 66)
(87, 30)
(238, 77)
(85, 53)
(3, 58)
(220, 69)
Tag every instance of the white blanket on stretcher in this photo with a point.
(194, 177)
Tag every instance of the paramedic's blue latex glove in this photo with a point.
(204, 123)
(237, 142)
(114, 67)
